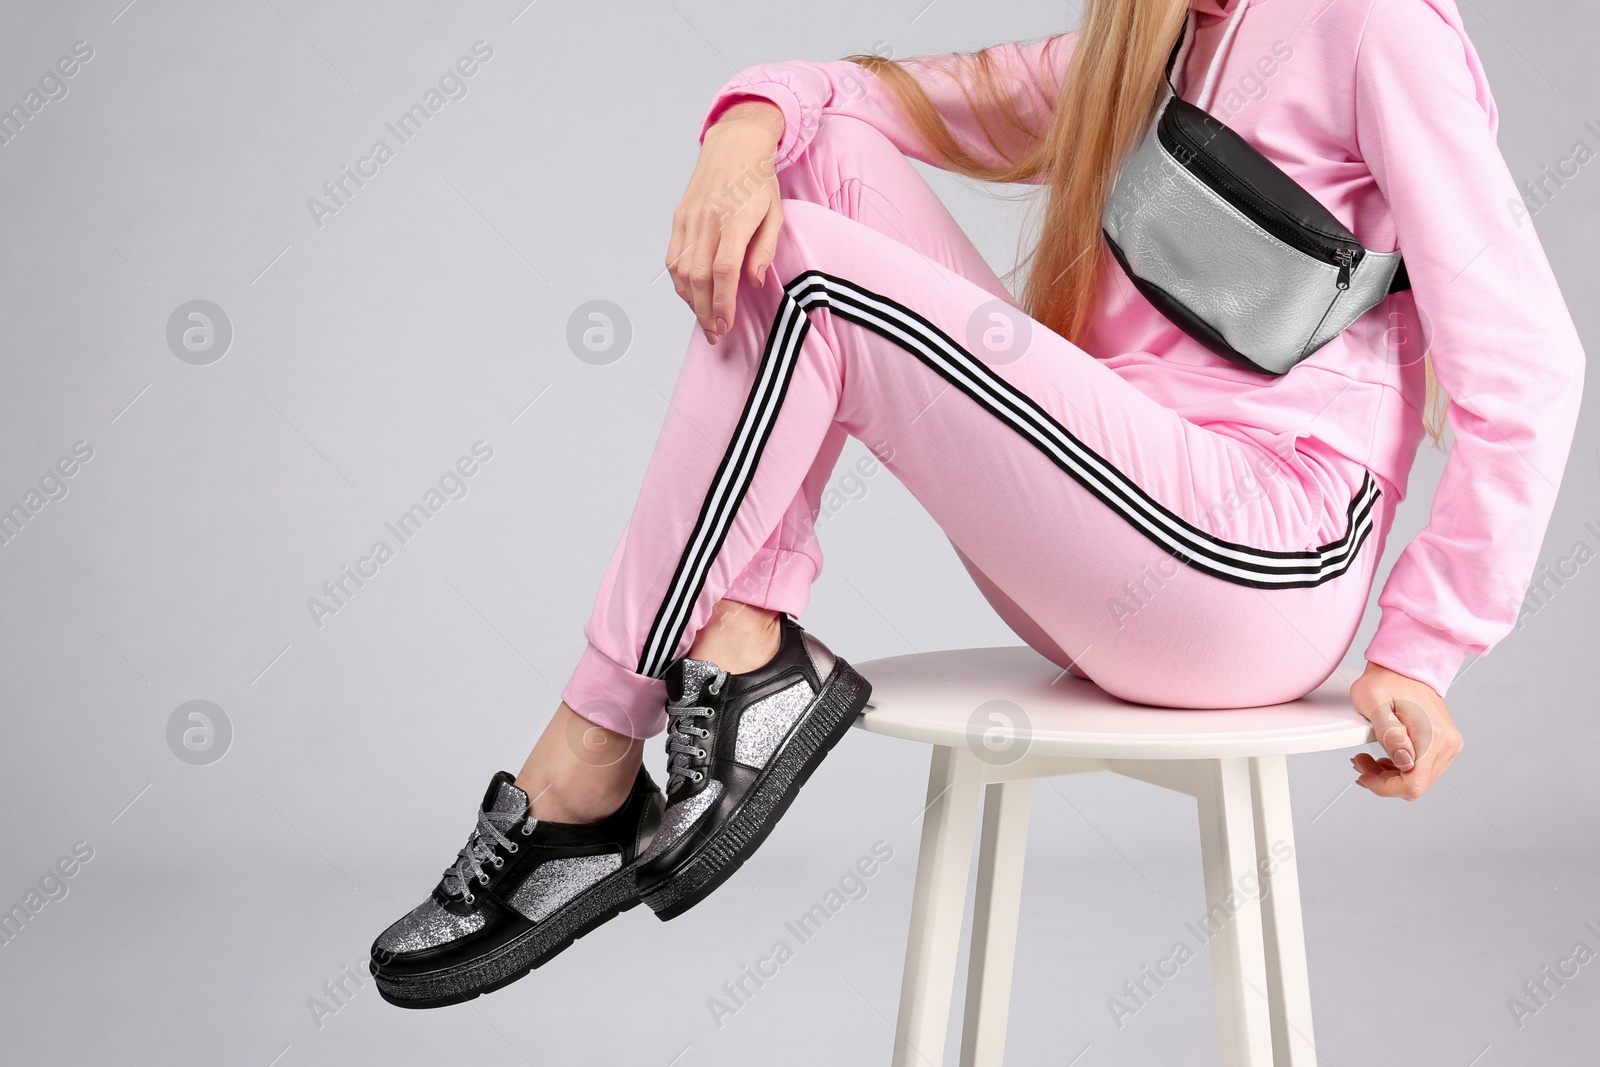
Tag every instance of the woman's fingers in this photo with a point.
(1412, 723)
(1398, 773)
(764, 244)
(675, 258)
(1375, 774)
(732, 240)
(1420, 724)
(1382, 777)
(720, 212)
(715, 262)
(1393, 735)
(703, 236)
(1381, 767)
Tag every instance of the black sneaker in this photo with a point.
(518, 893)
(739, 747)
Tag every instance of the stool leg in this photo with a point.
(1233, 914)
(1001, 850)
(1288, 984)
(944, 860)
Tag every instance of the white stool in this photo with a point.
(967, 704)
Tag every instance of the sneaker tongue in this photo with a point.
(503, 796)
(687, 677)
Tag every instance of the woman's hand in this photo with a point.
(1413, 726)
(729, 215)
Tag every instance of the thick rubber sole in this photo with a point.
(723, 851)
(601, 902)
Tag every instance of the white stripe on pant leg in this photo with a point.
(732, 490)
(1242, 563)
(729, 485)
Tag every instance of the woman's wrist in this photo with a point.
(753, 111)
(1389, 674)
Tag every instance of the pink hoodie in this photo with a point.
(1381, 109)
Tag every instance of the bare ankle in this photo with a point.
(739, 637)
(578, 771)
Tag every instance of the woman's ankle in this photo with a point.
(579, 772)
(738, 637)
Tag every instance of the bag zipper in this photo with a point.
(1346, 261)
(1262, 212)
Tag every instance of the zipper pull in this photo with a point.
(1345, 257)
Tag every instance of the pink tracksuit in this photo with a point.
(1179, 529)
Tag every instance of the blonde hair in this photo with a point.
(1107, 96)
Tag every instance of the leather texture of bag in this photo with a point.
(1230, 248)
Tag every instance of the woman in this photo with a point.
(1084, 455)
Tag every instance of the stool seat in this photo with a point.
(998, 719)
(939, 698)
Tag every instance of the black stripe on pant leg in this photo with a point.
(741, 474)
(715, 512)
(1242, 564)
(728, 486)
(1262, 568)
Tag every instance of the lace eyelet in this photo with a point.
(468, 899)
(701, 753)
(697, 777)
(511, 846)
(498, 862)
(527, 829)
(483, 879)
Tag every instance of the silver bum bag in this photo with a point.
(1230, 248)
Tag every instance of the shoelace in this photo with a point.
(468, 867)
(683, 735)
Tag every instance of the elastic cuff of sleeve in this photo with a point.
(772, 92)
(610, 695)
(1416, 650)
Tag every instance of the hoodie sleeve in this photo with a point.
(1029, 73)
(1502, 341)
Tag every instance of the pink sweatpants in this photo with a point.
(1171, 563)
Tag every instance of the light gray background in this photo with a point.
(370, 353)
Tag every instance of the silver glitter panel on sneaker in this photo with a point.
(696, 673)
(510, 799)
(679, 817)
(764, 724)
(427, 926)
(554, 882)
